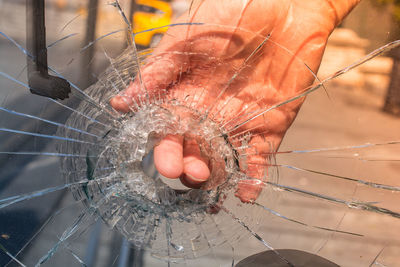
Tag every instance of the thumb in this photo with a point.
(160, 71)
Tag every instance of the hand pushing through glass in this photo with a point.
(298, 31)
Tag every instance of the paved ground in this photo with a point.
(349, 118)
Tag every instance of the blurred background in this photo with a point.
(362, 106)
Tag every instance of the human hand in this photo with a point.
(206, 57)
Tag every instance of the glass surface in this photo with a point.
(74, 192)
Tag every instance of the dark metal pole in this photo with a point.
(132, 9)
(92, 9)
(392, 101)
(36, 35)
(40, 82)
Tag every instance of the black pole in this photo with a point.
(132, 9)
(392, 101)
(90, 35)
(40, 82)
(36, 35)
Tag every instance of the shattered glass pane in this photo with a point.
(77, 186)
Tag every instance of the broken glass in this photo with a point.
(77, 186)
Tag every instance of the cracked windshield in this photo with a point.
(199, 133)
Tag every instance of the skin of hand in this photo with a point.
(298, 31)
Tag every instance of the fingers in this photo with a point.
(174, 157)
(124, 101)
(154, 77)
(161, 71)
(256, 166)
(248, 190)
(195, 167)
(168, 156)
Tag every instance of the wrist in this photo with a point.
(339, 9)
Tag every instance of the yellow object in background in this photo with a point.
(61, 4)
(151, 14)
